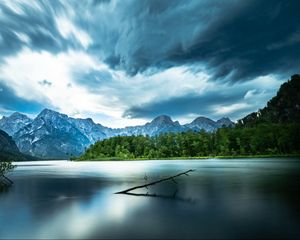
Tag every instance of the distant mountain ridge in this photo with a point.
(55, 135)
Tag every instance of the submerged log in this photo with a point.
(172, 178)
(171, 197)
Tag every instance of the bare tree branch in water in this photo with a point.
(172, 197)
(7, 179)
(172, 178)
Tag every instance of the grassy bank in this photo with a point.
(188, 158)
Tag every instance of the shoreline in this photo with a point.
(116, 159)
(189, 158)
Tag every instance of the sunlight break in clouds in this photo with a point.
(50, 79)
(226, 110)
(36, 67)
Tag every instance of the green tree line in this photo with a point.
(262, 139)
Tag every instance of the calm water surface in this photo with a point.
(222, 199)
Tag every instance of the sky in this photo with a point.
(125, 62)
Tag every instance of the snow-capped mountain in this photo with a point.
(160, 124)
(91, 130)
(55, 135)
(51, 135)
(14, 123)
(202, 123)
(225, 122)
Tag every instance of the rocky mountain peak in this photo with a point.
(202, 123)
(50, 115)
(225, 121)
(203, 120)
(18, 115)
(14, 122)
(89, 120)
(162, 119)
(47, 111)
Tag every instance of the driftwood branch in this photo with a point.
(155, 182)
(171, 197)
(7, 179)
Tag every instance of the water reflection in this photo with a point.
(4, 187)
(231, 199)
(163, 196)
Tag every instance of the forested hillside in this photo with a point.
(265, 139)
(283, 108)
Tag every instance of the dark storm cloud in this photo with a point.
(37, 25)
(9, 101)
(231, 100)
(35, 21)
(146, 36)
(235, 40)
(186, 105)
(189, 104)
(262, 39)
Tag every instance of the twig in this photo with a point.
(174, 180)
(155, 182)
(7, 179)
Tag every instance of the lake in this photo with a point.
(236, 198)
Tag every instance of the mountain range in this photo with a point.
(55, 135)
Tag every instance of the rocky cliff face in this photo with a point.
(51, 135)
(9, 150)
(94, 132)
(7, 143)
(14, 123)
